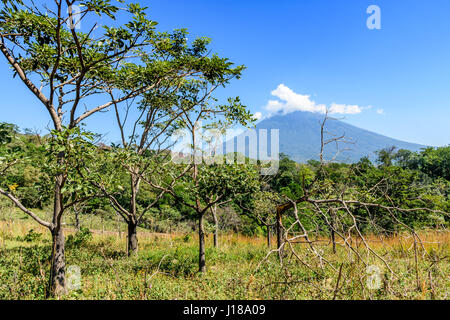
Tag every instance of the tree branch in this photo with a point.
(22, 207)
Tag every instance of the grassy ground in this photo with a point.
(166, 266)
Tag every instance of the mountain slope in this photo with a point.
(300, 138)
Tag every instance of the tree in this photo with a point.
(207, 176)
(435, 162)
(217, 184)
(260, 207)
(386, 156)
(65, 69)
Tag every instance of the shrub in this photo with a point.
(83, 236)
(31, 236)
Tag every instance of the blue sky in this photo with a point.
(398, 78)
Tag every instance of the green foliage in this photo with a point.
(292, 177)
(411, 180)
(21, 162)
(435, 162)
(187, 238)
(24, 270)
(6, 132)
(31, 236)
(82, 237)
(180, 262)
(226, 181)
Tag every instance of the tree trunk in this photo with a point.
(58, 266)
(269, 236)
(132, 239)
(279, 230)
(216, 226)
(118, 227)
(201, 251)
(333, 236)
(57, 281)
(132, 223)
(77, 219)
(216, 238)
(280, 235)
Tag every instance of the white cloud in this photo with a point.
(380, 111)
(345, 108)
(257, 115)
(292, 101)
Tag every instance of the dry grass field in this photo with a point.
(166, 267)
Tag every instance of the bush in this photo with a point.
(31, 236)
(83, 236)
(181, 262)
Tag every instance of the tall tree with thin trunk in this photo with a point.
(212, 184)
(211, 178)
(219, 184)
(69, 63)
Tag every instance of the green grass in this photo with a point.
(166, 268)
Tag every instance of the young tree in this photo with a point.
(386, 156)
(211, 180)
(217, 184)
(214, 210)
(260, 206)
